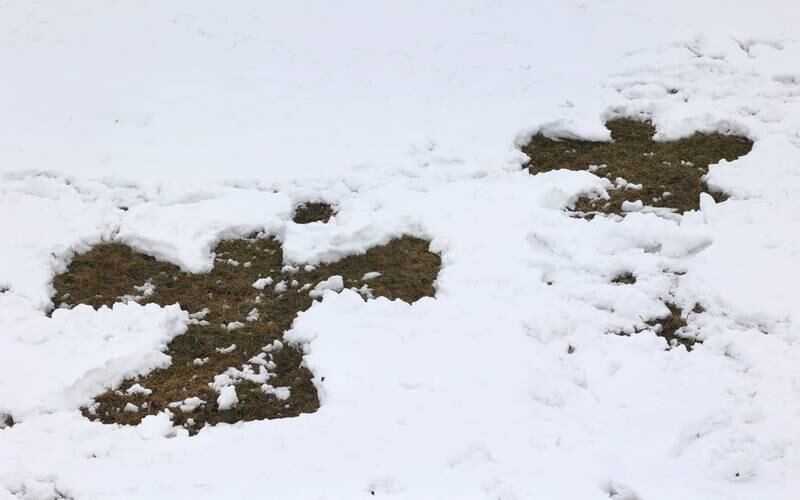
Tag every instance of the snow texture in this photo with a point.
(227, 397)
(168, 126)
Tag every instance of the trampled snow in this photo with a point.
(168, 126)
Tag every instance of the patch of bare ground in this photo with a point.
(626, 278)
(671, 327)
(660, 174)
(313, 211)
(237, 327)
(6, 421)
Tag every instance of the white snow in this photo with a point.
(632, 206)
(226, 350)
(147, 288)
(334, 283)
(281, 287)
(168, 126)
(253, 315)
(138, 389)
(227, 398)
(60, 363)
(276, 345)
(282, 393)
(233, 325)
(191, 404)
(262, 283)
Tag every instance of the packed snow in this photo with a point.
(168, 126)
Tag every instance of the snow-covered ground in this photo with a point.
(208, 120)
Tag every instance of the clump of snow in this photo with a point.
(145, 290)
(370, 275)
(233, 325)
(138, 389)
(262, 283)
(334, 283)
(281, 287)
(282, 393)
(253, 315)
(226, 350)
(632, 206)
(276, 345)
(197, 317)
(365, 291)
(227, 398)
(190, 404)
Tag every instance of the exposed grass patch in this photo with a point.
(235, 313)
(670, 328)
(313, 211)
(6, 421)
(670, 173)
(625, 278)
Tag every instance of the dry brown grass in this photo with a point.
(110, 271)
(670, 327)
(673, 167)
(313, 211)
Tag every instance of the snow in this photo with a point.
(405, 115)
(226, 350)
(233, 325)
(262, 283)
(227, 398)
(632, 206)
(69, 358)
(253, 315)
(191, 404)
(138, 389)
(334, 283)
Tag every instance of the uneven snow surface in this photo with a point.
(205, 120)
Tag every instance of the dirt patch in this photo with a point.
(626, 278)
(660, 174)
(670, 327)
(314, 211)
(237, 328)
(6, 421)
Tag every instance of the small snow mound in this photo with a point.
(191, 404)
(226, 350)
(227, 398)
(262, 283)
(335, 283)
(138, 389)
(632, 206)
